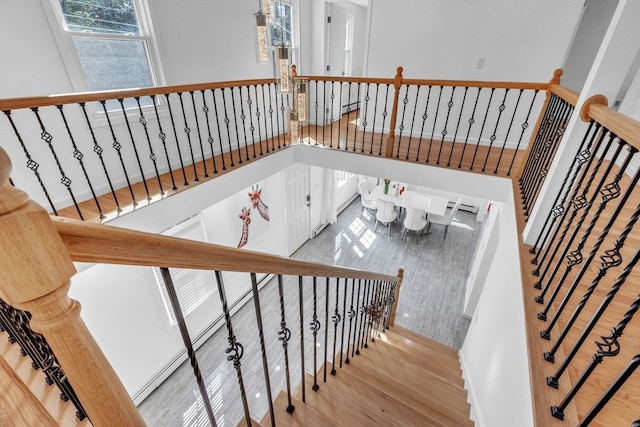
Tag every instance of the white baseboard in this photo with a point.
(475, 415)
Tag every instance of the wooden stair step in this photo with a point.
(424, 347)
(365, 397)
(303, 415)
(424, 341)
(428, 395)
(448, 371)
(336, 400)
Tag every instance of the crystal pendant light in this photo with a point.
(284, 76)
(262, 37)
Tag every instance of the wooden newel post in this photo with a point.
(397, 84)
(396, 296)
(35, 273)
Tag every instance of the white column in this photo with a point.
(619, 47)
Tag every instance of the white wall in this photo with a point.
(441, 39)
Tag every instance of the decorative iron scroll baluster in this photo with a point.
(324, 112)
(243, 117)
(340, 118)
(152, 156)
(205, 109)
(235, 124)
(425, 116)
(186, 339)
(264, 119)
(335, 318)
(413, 119)
(99, 150)
(348, 120)
(484, 121)
(369, 311)
(315, 327)
(17, 325)
(226, 121)
(235, 349)
(455, 135)
(255, 87)
(364, 117)
(559, 207)
(446, 123)
(263, 349)
(78, 155)
(215, 110)
(492, 138)
(344, 316)
(581, 203)
(622, 278)
(133, 145)
(373, 125)
(31, 164)
(609, 192)
(281, 131)
(354, 347)
(163, 139)
(301, 305)
(405, 101)
(187, 131)
(524, 127)
(391, 299)
(326, 327)
(363, 310)
(195, 115)
(175, 134)
(284, 334)
(351, 314)
(316, 106)
(612, 258)
(506, 137)
(576, 202)
(278, 109)
(471, 121)
(273, 130)
(611, 391)
(608, 347)
(384, 117)
(435, 120)
(64, 179)
(252, 128)
(332, 96)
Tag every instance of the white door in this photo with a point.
(336, 34)
(298, 212)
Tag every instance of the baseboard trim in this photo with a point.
(475, 415)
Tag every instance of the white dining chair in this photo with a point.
(414, 221)
(386, 214)
(366, 200)
(446, 219)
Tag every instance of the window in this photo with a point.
(192, 286)
(284, 26)
(111, 40)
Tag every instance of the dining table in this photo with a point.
(431, 203)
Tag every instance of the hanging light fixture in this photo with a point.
(262, 37)
(266, 7)
(284, 79)
(300, 98)
(294, 126)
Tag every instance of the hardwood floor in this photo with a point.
(430, 303)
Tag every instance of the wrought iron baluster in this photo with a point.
(215, 109)
(492, 138)
(455, 135)
(356, 309)
(31, 164)
(324, 112)
(559, 206)
(175, 134)
(226, 121)
(608, 347)
(390, 300)
(581, 204)
(575, 200)
(284, 334)
(506, 137)
(301, 305)
(315, 327)
(375, 115)
(187, 132)
(163, 140)
(99, 150)
(264, 118)
(471, 121)
(348, 120)
(425, 116)
(344, 316)
(273, 146)
(368, 318)
(64, 179)
(611, 258)
(235, 123)
(255, 87)
(135, 149)
(366, 111)
(332, 96)
(622, 278)
(611, 391)
(152, 156)
(335, 318)
(186, 339)
(405, 101)
(484, 121)
(384, 118)
(351, 314)
(252, 128)
(524, 127)
(413, 119)
(205, 109)
(340, 117)
(283, 111)
(363, 319)
(278, 109)
(316, 84)
(608, 193)
(195, 115)
(326, 327)
(435, 120)
(78, 155)
(444, 132)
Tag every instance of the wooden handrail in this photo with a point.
(565, 93)
(624, 126)
(74, 98)
(89, 242)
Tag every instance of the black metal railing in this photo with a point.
(595, 214)
(374, 298)
(16, 323)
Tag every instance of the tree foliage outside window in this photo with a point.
(100, 16)
(281, 24)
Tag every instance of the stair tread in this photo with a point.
(303, 415)
(418, 339)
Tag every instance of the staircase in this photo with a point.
(402, 379)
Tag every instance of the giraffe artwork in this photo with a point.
(245, 216)
(257, 202)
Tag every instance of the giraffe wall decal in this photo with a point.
(245, 216)
(257, 202)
